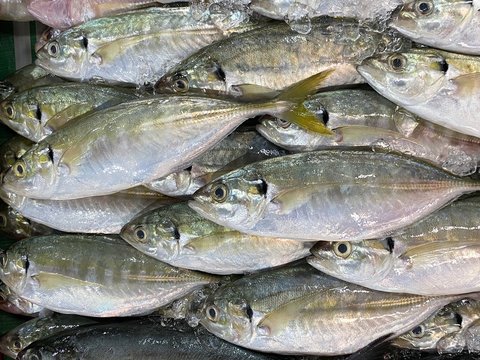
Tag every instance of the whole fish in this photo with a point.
(425, 84)
(146, 338)
(329, 195)
(297, 310)
(446, 24)
(436, 256)
(15, 10)
(63, 14)
(38, 112)
(180, 237)
(12, 303)
(12, 150)
(93, 276)
(26, 78)
(96, 215)
(39, 328)
(135, 47)
(161, 135)
(238, 147)
(15, 226)
(274, 57)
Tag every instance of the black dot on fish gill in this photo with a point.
(27, 264)
(249, 312)
(188, 169)
(325, 116)
(458, 319)
(84, 42)
(219, 73)
(50, 153)
(443, 66)
(262, 187)
(390, 244)
(176, 233)
(38, 113)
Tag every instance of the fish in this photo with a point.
(255, 63)
(26, 78)
(180, 237)
(15, 10)
(93, 275)
(87, 157)
(38, 112)
(146, 338)
(94, 215)
(238, 147)
(472, 337)
(298, 310)
(134, 48)
(416, 260)
(12, 150)
(426, 85)
(14, 304)
(330, 195)
(33, 330)
(446, 24)
(63, 14)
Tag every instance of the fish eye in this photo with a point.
(19, 169)
(35, 356)
(180, 83)
(17, 344)
(10, 111)
(397, 62)
(220, 193)
(3, 221)
(212, 313)
(418, 331)
(52, 49)
(424, 7)
(342, 249)
(140, 234)
(283, 123)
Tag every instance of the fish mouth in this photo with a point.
(402, 22)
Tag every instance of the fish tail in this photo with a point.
(295, 96)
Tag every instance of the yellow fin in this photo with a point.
(251, 92)
(428, 251)
(71, 112)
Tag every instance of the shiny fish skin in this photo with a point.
(446, 24)
(135, 47)
(23, 335)
(426, 85)
(94, 215)
(329, 195)
(38, 112)
(248, 146)
(180, 237)
(325, 316)
(63, 14)
(93, 276)
(274, 57)
(436, 256)
(12, 303)
(15, 10)
(138, 339)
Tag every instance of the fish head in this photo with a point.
(24, 114)
(156, 237)
(14, 265)
(36, 170)
(280, 131)
(66, 55)
(431, 19)
(352, 261)
(47, 35)
(426, 335)
(239, 197)
(12, 150)
(407, 78)
(11, 344)
(228, 316)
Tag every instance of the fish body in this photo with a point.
(328, 195)
(38, 112)
(323, 315)
(446, 24)
(436, 256)
(15, 10)
(274, 57)
(180, 237)
(14, 304)
(135, 47)
(93, 276)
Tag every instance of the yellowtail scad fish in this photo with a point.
(136, 47)
(87, 158)
(180, 237)
(446, 24)
(33, 330)
(273, 57)
(438, 255)
(12, 150)
(426, 84)
(38, 112)
(360, 118)
(95, 276)
(297, 310)
(331, 195)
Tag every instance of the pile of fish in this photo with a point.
(205, 180)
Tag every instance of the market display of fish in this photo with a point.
(254, 179)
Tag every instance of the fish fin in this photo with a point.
(375, 350)
(288, 201)
(251, 92)
(111, 50)
(428, 251)
(299, 114)
(52, 281)
(61, 118)
(466, 85)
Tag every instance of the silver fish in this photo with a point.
(12, 303)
